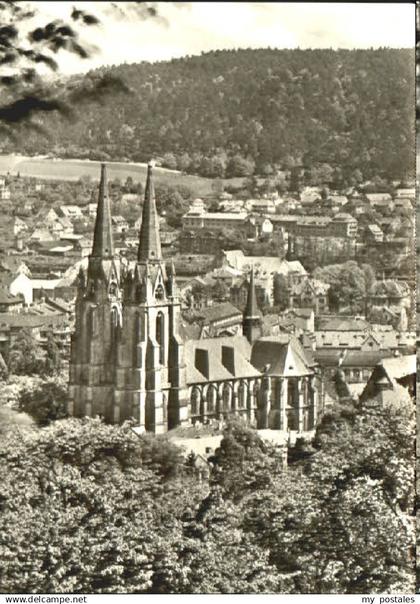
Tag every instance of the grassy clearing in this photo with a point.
(69, 169)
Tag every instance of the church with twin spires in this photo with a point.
(129, 359)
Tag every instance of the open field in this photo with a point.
(73, 169)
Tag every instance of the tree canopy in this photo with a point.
(87, 507)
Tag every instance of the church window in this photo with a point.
(114, 317)
(195, 401)
(211, 399)
(159, 292)
(291, 393)
(242, 395)
(226, 393)
(113, 289)
(160, 336)
(93, 321)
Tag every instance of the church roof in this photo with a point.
(240, 366)
(281, 355)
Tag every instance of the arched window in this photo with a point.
(113, 288)
(242, 391)
(159, 293)
(226, 396)
(93, 321)
(115, 317)
(291, 393)
(160, 336)
(211, 399)
(195, 401)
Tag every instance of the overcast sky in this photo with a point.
(184, 28)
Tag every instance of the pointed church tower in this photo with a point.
(151, 374)
(251, 325)
(149, 249)
(98, 318)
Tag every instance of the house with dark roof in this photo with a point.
(380, 200)
(374, 233)
(309, 293)
(356, 346)
(390, 379)
(38, 324)
(297, 320)
(10, 303)
(389, 293)
(17, 285)
(219, 320)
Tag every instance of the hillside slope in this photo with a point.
(234, 113)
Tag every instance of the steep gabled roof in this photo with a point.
(401, 366)
(212, 347)
(218, 312)
(281, 355)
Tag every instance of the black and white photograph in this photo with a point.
(208, 320)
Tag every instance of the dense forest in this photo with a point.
(244, 112)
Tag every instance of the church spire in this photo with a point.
(251, 326)
(149, 244)
(103, 246)
(251, 309)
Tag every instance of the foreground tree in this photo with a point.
(86, 507)
(25, 354)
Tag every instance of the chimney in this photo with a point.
(202, 361)
(228, 358)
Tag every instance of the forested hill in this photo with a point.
(234, 113)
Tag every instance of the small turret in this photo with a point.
(251, 325)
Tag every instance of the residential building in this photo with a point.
(373, 233)
(391, 378)
(17, 284)
(72, 212)
(389, 293)
(38, 324)
(261, 206)
(380, 201)
(120, 224)
(402, 204)
(213, 221)
(218, 320)
(408, 193)
(309, 293)
(10, 303)
(5, 193)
